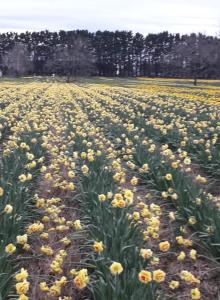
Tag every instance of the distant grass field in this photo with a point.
(206, 91)
(116, 81)
(131, 82)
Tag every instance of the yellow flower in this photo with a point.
(48, 176)
(181, 256)
(188, 277)
(192, 254)
(174, 196)
(136, 215)
(47, 250)
(10, 248)
(62, 282)
(146, 253)
(134, 181)
(23, 145)
(201, 179)
(114, 203)
(145, 167)
(73, 272)
(155, 261)
(44, 235)
(101, 197)
(35, 227)
(21, 239)
(43, 287)
(98, 153)
(109, 195)
(195, 294)
(54, 291)
(172, 216)
(83, 155)
(174, 165)
(90, 157)
(164, 246)
(81, 280)
(29, 176)
(56, 265)
(159, 275)
(116, 268)
(168, 177)
(26, 247)
(22, 287)
(128, 194)
(198, 201)
(30, 156)
(164, 195)
(45, 219)
(32, 165)
(131, 165)
(71, 186)
(187, 243)
(121, 203)
(192, 220)
(8, 209)
(40, 203)
(180, 240)
(65, 241)
(98, 247)
(1, 192)
(145, 276)
(174, 284)
(118, 197)
(22, 177)
(84, 169)
(77, 225)
(22, 275)
(187, 161)
(71, 174)
(43, 169)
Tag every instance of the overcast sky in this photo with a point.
(143, 16)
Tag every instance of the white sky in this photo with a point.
(145, 16)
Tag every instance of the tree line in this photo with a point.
(108, 53)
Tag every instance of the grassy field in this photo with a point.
(117, 81)
(109, 189)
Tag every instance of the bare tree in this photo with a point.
(74, 59)
(194, 55)
(18, 60)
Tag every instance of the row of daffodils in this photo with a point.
(108, 193)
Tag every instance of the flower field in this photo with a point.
(109, 191)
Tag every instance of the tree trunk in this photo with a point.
(195, 80)
(68, 78)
